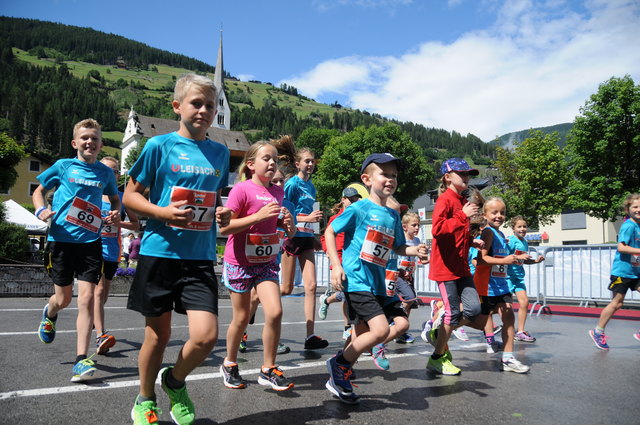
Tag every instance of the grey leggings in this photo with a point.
(458, 291)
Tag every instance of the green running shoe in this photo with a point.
(145, 413)
(182, 410)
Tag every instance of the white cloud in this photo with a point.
(535, 66)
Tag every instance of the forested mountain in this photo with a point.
(509, 140)
(57, 74)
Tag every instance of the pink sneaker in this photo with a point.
(524, 337)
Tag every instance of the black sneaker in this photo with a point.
(315, 343)
(231, 376)
(275, 379)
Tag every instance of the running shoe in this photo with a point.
(379, 353)
(145, 413)
(443, 366)
(231, 376)
(434, 306)
(282, 349)
(83, 370)
(637, 335)
(426, 327)
(600, 339)
(513, 365)
(346, 334)
(405, 339)
(493, 346)
(47, 327)
(432, 336)
(339, 383)
(524, 337)
(243, 343)
(275, 379)
(183, 411)
(315, 343)
(436, 317)
(104, 343)
(461, 334)
(324, 307)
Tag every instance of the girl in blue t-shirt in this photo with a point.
(519, 245)
(625, 271)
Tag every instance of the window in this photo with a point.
(572, 220)
(220, 119)
(34, 166)
(33, 187)
(580, 242)
(221, 101)
(7, 192)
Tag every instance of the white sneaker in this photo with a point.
(461, 334)
(425, 331)
(513, 365)
(494, 348)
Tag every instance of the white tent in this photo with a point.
(17, 214)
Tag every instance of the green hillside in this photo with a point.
(510, 139)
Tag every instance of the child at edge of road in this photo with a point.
(373, 231)
(491, 279)
(625, 270)
(519, 245)
(184, 172)
(250, 262)
(74, 248)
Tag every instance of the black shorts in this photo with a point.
(164, 284)
(110, 268)
(393, 310)
(64, 261)
(620, 285)
(299, 244)
(489, 305)
(363, 306)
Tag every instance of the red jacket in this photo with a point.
(451, 239)
(339, 238)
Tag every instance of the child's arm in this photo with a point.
(623, 248)
(237, 225)
(135, 200)
(486, 259)
(458, 220)
(419, 251)
(113, 217)
(40, 203)
(288, 224)
(337, 273)
(133, 223)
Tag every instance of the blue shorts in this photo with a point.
(242, 278)
(516, 284)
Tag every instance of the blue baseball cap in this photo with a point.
(378, 158)
(457, 164)
(348, 192)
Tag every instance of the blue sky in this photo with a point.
(485, 67)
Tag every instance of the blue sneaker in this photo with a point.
(47, 327)
(83, 370)
(600, 339)
(405, 339)
(379, 357)
(339, 383)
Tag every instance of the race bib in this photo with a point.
(305, 227)
(262, 248)
(84, 214)
(499, 270)
(406, 265)
(390, 278)
(109, 231)
(635, 260)
(203, 204)
(376, 247)
(518, 252)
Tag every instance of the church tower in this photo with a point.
(132, 136)
(223, 114)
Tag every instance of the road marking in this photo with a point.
(134, 383)
(10, 310)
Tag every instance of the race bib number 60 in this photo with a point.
(376, 247)
(203, 204)
(262, 248)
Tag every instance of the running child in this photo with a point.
(373, 231)
(301, 192)
(74, 249)
(183, 172)
(519, 245)
(625, 271)
(111, 250)
(492, 282)
(250, 262)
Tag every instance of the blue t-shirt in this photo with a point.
(473, 253)
(498, 281)
(110, 235)
(176, 168)
(371, 233)
(627, 265)
(302, 194)
(516, 244)
(407, 263)
(78, 198)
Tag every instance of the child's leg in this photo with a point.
(505, 310)
(308, 267)
(203, 335)
(241, 303)
(523, 301)
(84, 322)
(60, 299)
(288, 271)
(368, 334)
(400, 327)
(156, 337)
(607, 313)
(100, 295)
(269, 295)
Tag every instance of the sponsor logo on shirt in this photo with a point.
(194, 169)
(85, 182)
(183, 156)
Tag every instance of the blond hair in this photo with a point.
(244, 173)
(286, 155)
(112, 159)
(185, 82)
(408, 216)
(628, 201)
(87, 123)
(493, 199)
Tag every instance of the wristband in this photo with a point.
(39, 211)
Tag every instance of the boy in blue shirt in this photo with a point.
(74, 248)
(372, 230)
(184, 172)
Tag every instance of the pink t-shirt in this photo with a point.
(259, 244)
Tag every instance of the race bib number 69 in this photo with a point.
(84, 214)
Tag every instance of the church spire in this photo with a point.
(218, 78)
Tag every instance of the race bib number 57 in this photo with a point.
(376, 247)
(203, 204)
